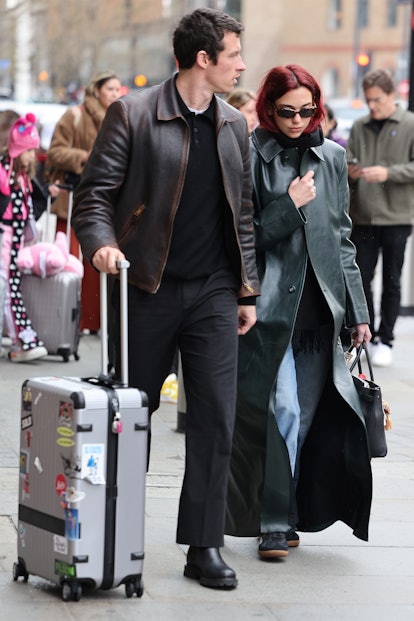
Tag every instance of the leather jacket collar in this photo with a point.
(268, 147)
(168, 106)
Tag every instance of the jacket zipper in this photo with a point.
(173, 217)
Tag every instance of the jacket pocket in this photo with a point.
(131, 223)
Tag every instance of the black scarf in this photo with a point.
(303, 142)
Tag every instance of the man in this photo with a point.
(168, 186)
(381, 173)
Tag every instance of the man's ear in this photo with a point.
(202, 59)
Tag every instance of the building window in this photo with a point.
(392, 13)
(335, 15)
(330, 84)
(363, 11)
(232, 7)
(166, 9)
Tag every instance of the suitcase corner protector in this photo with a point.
(78, 399)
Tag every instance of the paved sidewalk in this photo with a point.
(332, 576)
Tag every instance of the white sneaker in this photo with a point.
(17, 354)
(381, 355)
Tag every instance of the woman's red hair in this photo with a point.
(279, 81)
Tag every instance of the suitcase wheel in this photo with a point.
(65, 352)
(134, 586)
(19, 571)
(71, 591)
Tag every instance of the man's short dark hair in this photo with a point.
(381, 78)
(203, 29)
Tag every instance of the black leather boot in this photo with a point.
(207, 566)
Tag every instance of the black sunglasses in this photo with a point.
(288, 113)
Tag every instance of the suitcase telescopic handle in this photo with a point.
(69, 188)
(123, 273)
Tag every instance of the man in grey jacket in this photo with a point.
(381, 173)
(168, 186)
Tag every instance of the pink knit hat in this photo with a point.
(23, 136)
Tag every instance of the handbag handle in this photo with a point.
(357, 361)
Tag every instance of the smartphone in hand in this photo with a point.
(352, 161)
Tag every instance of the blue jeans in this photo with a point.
(300, 382)
(287, 409)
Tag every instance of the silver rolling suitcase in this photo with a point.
(83, 459)
(54, 303)
(54, 307)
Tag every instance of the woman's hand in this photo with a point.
(54, 189)
(361, 333)
(302, 190)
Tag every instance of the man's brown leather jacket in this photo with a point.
(131, 186)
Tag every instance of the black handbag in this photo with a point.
(371, 403)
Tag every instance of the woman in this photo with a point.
(245, 101)
(329, 126)
(300, 456)
(71, 144)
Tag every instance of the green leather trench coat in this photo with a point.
(335, 481)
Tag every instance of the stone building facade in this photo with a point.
(72, 39)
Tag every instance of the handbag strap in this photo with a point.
(357, 361)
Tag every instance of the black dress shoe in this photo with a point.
(207, 566)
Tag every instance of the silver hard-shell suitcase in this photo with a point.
(54, 307)
(54, 303)
(83, 459)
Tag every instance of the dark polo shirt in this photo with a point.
(198, 245)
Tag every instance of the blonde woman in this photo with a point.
(245, 101)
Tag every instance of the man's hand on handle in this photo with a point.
(105, 259)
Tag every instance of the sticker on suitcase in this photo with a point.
(26, 399)
(71, 524)
(65, 437)
(60, 545)
(93, 462)
(65, 413)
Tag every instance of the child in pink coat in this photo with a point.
(16, 170)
